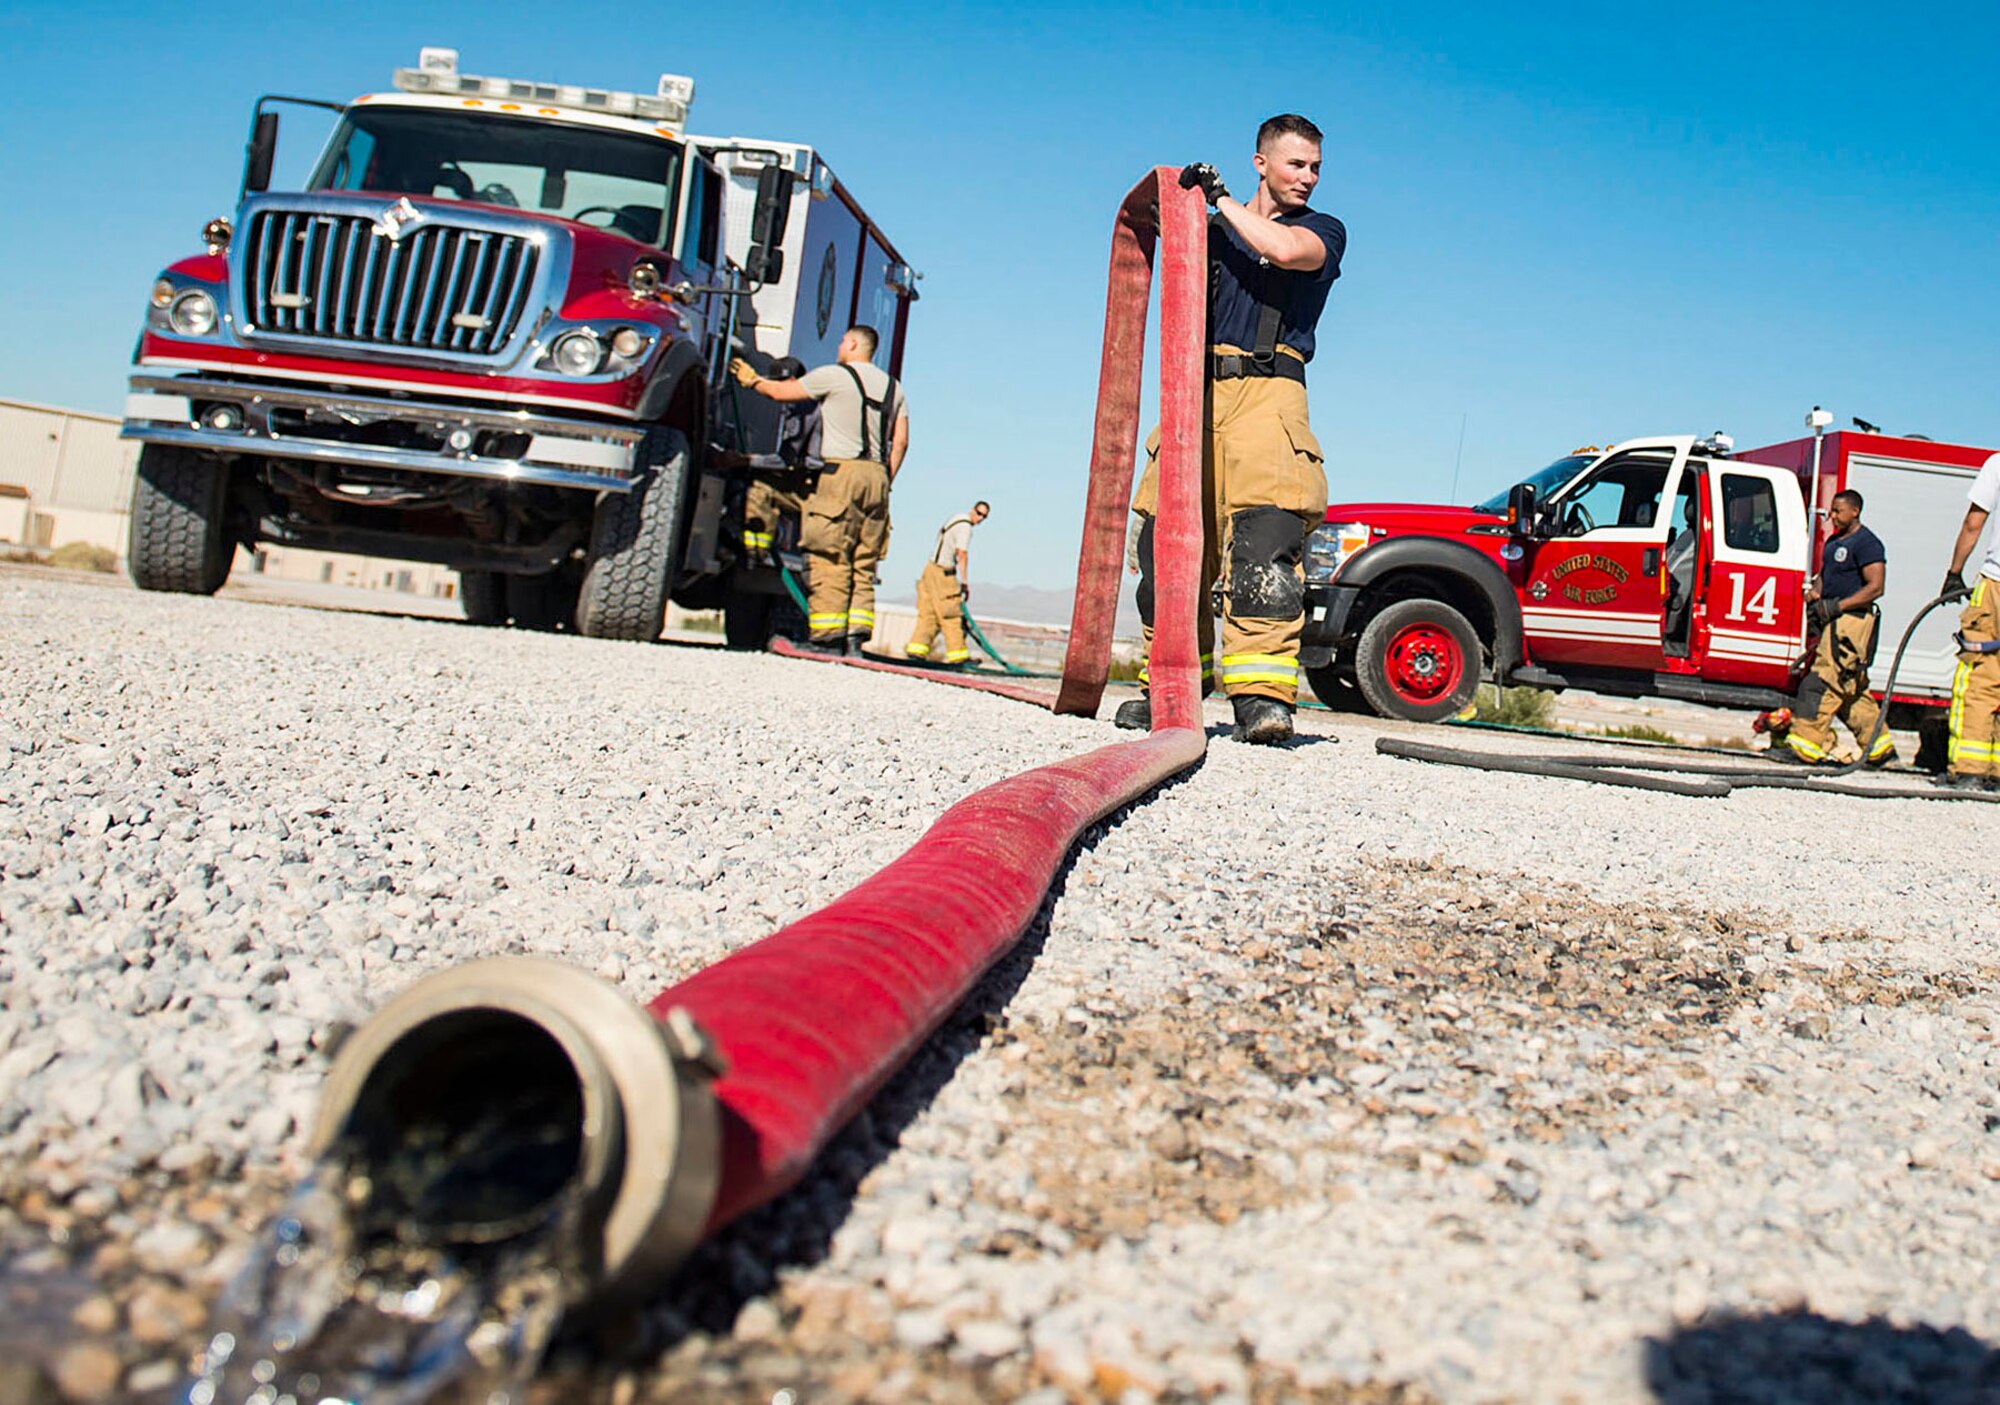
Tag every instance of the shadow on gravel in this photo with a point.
(1802, 1358)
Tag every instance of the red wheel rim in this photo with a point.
(1424, 663)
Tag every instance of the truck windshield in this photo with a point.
(1546, 481)
(614, 180)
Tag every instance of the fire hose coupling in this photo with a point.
(546, 1085)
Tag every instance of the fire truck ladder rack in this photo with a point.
(720, 1094)
(1720, 780)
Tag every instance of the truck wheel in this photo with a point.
(546, 602)
(1418, 661)
(483, 597)
(179, 537)
(635, 545)
(1336, 689)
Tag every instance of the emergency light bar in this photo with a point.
(437, 72)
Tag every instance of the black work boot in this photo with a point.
(1135, 714)
(854, 643)
(835, 646)
(1263, 721)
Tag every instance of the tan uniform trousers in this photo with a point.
(1975, 688)
(843, 530)
(1837, 690)
(1259, 452)
(939, 606)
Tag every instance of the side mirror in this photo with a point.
(1523, 511)
(259, 153)
(765, 262)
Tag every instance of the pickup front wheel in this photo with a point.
(179, 537)
(1418, 661)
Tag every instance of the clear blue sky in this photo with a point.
(1567, 223)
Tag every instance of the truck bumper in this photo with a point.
(1327, 609)
(504, 446)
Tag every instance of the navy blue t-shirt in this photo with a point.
(1841, 560)
(1237, 276)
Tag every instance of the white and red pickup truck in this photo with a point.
(1671, 567)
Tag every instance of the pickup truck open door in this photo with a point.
(1754, 573)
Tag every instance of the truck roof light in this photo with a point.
(1719, 444)
(437, 72)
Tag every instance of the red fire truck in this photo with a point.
(490, 333)
(1670, 567)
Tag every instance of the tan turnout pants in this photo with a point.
(843, 530)
(1975, 688)
(1837, 690)
(1258, 453)
(939, 606)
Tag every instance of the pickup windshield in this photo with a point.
(615, 180)
(1546, 481)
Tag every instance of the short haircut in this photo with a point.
(982, 506)
(865, 334)
(1850, 496)
(1288, 124)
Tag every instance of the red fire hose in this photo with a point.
(803, 1026)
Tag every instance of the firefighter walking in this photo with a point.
(942, 590)
(844, 519)
(1852, 569)
(1974, 750)
(1272, 263)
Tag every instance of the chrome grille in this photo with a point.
(437, 288)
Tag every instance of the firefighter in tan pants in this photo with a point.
(1852, 570)
(1974, 750)
(942, 590)
(1272, 263)
(844, 520)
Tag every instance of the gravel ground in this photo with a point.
(1325, 1077)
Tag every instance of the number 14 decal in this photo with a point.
(1763, 603)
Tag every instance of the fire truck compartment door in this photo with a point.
(1915, 508)
(1593, 588)
(1755, 587)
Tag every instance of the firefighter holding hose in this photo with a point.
(942, 590)
(1272, 263)
(1852, 569)
(1974, 749)
(844, 521)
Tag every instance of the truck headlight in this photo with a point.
(192, 313)
(1331, 546)
(577, 353)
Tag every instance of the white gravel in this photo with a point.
(226, 826)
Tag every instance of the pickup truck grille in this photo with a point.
(436, 288)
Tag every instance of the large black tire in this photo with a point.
(179, 537)
(483, 597)
(546, 602)
(1336, 689)
(635, 545)
(1418, 661)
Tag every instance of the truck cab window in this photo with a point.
(1624, 492)
(1749, 513)
(619, 181)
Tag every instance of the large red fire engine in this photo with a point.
(1673, 567)
(489, 333)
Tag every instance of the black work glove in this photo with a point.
(1826, 611)
(1954, 589)
(1205, 176)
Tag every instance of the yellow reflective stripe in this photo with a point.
(757, 538)
(1801, 747)
(917, 651)
(1883, 746)
(1230, 660)
(1290, 680)
(957, 655)
(1960, 677)
(866, 617)
(826, 621)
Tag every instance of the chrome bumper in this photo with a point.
(560, 453)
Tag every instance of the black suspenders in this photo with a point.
(881, 408)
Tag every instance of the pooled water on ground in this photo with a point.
(349, 1300)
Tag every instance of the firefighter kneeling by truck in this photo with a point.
(1852, 570)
